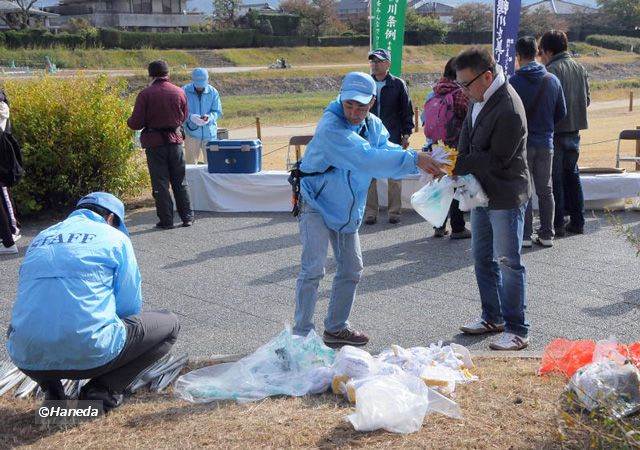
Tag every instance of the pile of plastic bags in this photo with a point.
(434, 199)
(603, 375)
(393, 390)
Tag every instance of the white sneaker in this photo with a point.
(482, 327)
(509, 341)
(527, 243)
(544, 242)
(8, 250)
(16, 237)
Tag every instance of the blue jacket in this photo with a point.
(207, 103)
(551, 107)
(78, 278)
(340, 193)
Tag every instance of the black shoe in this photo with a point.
(164, 226)
(370, 220)
(440, 232)
(345, 337)
(188, 222)
(54, 391)
(560, 231)
(574, 229)
(109, 399)
(394, 219)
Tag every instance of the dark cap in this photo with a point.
(381, 54)
(158, 69)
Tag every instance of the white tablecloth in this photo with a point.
(269, 191)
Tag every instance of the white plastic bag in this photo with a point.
(354, 363)
(433, 201)
(397, 403)
(469, 193)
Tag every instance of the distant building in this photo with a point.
(350, 9)
(37, 17)
(142, 15)
(561, 8)
(262, 8)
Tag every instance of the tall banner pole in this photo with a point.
(387, 29)
(506, 22)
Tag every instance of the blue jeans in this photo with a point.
(315, 238)
(567, 189)
(496, 241)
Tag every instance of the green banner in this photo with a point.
(387, 29)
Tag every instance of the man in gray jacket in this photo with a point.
(492, 147)
(567, 189)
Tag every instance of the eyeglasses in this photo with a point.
(469, 83)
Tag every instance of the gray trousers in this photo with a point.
(540, 164)
(150, 336)
(167, 167)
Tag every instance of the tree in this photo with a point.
(621, 13)
(316, 16)
(537, 21)
(20, 19)
(225, 12)
(472, 18)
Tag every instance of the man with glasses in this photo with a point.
(492, 147)
(78, 314)
(348, 148)
(393, 106)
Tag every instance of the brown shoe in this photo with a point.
(370, 220)
(345, 337)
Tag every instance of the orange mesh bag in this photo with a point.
(631, 352)
(566, 357)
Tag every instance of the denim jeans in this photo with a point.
(539, 160)
(496, 241)
(315, 238)
(567, 189)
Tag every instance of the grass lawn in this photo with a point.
(510, 407)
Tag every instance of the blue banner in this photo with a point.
(506, 22)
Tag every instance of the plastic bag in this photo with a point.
(433, 201)
(469, 193)
(609, 385)
(287, 365)
(353, 362)
(566, 357)
(397, 403)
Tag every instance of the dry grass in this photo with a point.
(509, 407)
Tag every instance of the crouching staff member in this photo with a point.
(77, 313)
(350, 146)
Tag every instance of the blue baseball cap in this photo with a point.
(109, 202)
(358, 86)
(381, 54)
(200, 77)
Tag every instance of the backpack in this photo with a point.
(438, 113)
(11, 170)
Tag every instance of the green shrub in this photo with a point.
(136, 40)
(75, 140)
(627, 44)
(342, 41)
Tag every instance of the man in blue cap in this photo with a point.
(78, 315)
(350, 146)
(205, 109)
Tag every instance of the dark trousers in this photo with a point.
(8, 222)
(456, 217)
(167, 167)
(567, 189)
(150, 336)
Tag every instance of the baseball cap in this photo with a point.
(358, 86)
(200, 77)
(381, 54)
(109, 202)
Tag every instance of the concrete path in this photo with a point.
(231, 280)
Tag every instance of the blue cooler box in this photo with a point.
(234, 156)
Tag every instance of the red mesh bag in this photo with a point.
(566, 357)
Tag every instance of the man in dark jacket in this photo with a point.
(159, 111)
(567, 189)
(492, 147)
(544, 103)
(393, 106)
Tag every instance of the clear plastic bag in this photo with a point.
(287, 365)
(608, 385)
(397, 403)
(433, 201)
(469, 193)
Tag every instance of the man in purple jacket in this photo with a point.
(159, 111)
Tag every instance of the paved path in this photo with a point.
(231, 279)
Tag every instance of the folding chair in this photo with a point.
(296, 142)
(627, 135)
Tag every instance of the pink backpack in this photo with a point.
(438, 113)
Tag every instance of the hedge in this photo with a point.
(137, 40)
(615, 42)
(342, 41)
